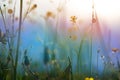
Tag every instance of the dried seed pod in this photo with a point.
(49, 14)
(33, 7)
(10, 11)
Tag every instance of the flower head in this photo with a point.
(86, 78)
(33, 7)
(10, 11)
(49, 14)
(91, 78)
(73, 19)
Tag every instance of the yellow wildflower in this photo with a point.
(91, 78)
(73, 19)
(86, 78)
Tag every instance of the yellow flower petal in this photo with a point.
(91, 78)
(73, 19)
(86, 78)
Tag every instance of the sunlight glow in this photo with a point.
(107, 9)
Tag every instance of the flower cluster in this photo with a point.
(87, 78)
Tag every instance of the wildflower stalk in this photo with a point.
(79, 59)
(56, 24)
(97, 64)
(91, 51)
(71, 68)
(9, 45)
(93, 21)
(18, 41)
(80, 50)
(27, 11)
(12, 38)
(104, 68)
(5, 26)
(13, 20)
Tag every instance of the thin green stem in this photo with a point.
(97, 64)
(91, 52)
(10, 53)
(79, 53)
(13, 20)
(18, 41)
(27, 12)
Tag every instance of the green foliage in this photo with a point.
(2, 37)
(46, 55)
